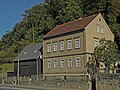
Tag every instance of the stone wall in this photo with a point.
(103, 82)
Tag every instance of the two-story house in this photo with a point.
(68, 46)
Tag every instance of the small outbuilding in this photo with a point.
(29, 61)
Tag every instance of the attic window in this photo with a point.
(98, 28)
(35, 51)
(25, 53)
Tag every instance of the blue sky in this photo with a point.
(11, 11)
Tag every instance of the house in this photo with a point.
(30, 61)
(68, 46)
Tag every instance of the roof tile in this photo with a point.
(81, 23)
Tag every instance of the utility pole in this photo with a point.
(18, 73)
(37, 62)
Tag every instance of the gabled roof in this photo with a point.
(30, 52)
(71, 26)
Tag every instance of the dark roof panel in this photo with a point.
(30, 52)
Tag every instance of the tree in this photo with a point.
(107, 53)
(65, 10)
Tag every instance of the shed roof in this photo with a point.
(79, 24)
(30, 52)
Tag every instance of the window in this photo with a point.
(96, 42)
(77, 62)
(69, 44)
(48, 47)
(61, 45)
(49, 64)
(62, 63)
(25, 53)
(69, 62)
(55, 47)
(35, 51)
(98, 28)
(77, 43)
(102, 29)
(55, 63)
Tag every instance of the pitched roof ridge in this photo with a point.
(70, 26)
(77, 20)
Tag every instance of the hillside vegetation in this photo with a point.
(43, 17)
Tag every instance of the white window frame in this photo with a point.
(69, 62)
(69, 44)
(77, 43)
(61, 45)
(48, 47)
(49, 63)
(96, 42)
(62, 63)
(55, 47)
(102, 29)
(78, 62)
(98, 28)
(55, 63)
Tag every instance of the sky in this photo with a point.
(11, 11)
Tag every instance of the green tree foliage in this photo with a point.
(65, 10)
(106, 52)
(37, 21)
(43, 17)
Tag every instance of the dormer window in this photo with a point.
(25, 53)
(35, 51)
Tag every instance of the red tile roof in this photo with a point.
(71, 26)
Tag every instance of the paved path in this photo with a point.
(11, 87)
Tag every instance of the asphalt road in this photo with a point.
(2, 87)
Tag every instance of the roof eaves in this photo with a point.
(63, 34)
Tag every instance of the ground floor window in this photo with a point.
(77, 62)
(49, 64)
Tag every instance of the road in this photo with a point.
(2, 87)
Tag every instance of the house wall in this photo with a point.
(28, 67)
(64, 55)
(91, 33)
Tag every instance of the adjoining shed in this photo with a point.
(30, 61)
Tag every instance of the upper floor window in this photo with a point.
(96, 42)
(61, 45)
(98, 28)
(55, 63)
(49, 47)
(102, 29)
(69, 44)
(49, 64)
(54, 47)
(62, 63)
(69, 62)
(77, 43)
(77, 62)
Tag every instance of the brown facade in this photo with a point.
(78, 45)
